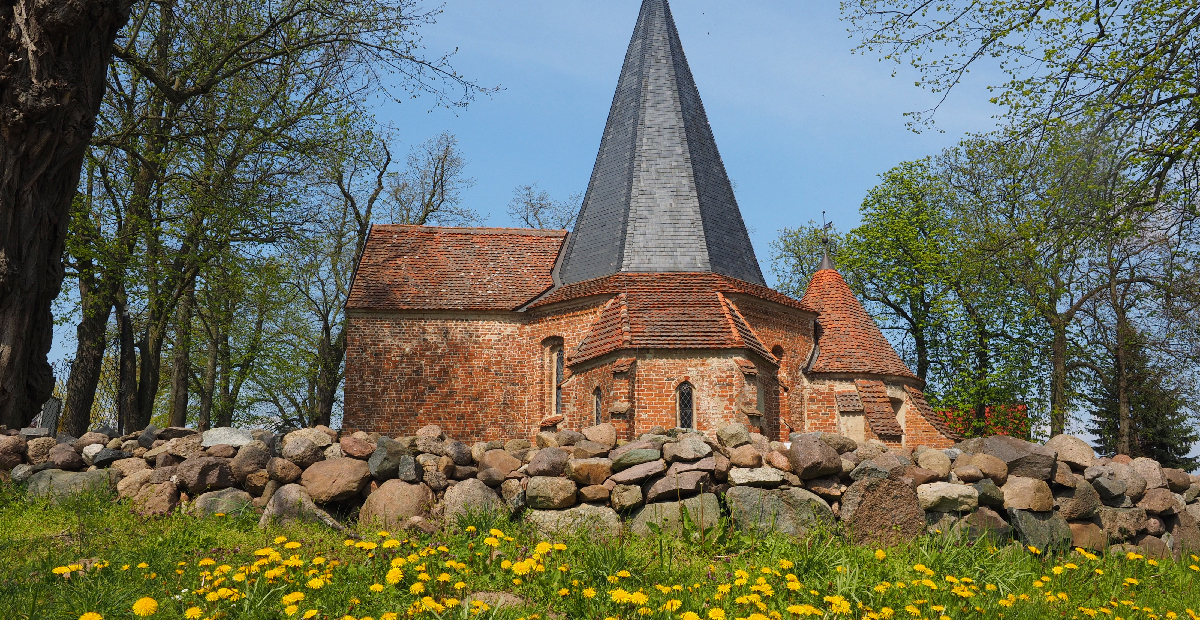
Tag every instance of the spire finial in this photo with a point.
(826, 262)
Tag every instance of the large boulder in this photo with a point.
(394, 503)
(1135, 483)
(513, 493)
(624, 497)
(764, 477)
(733, 435)
(105, 457)
(984, 523)
(1160, 501)
(226, 435)
(1022, 493)
(704, 510)
(291, 502)
(790, 511)
(947, 497)
(637, 456)
(993, 468)
(283, 471)
(1121, 524)
(471, 496)
(90, 439)
(1177, 480)
(38, 449)
(935, 461)
(1185, 534)
(586, 472)
(252, 457)
(357, 446)
(386, 461)
(1087, 535)
(130, 485)
(302, 451)
(548, 462)
(1043, 530)
(65, 457)
(1151, 471)
(1073, 451)
(205, 473)
(1022, 458)
(689, 448)
(882, 511)
(225, 501)
(813, 458)
(594, 520)
(335, 480)
(501, 460)
(602, 433)
(130, 466)
(638, 473)
(550, 493)
(1078, 503)
(678, 486)
(57, 485)
(12, 451)
(318, 437)
(156, 500)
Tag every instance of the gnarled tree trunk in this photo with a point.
(54, 57)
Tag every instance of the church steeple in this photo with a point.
(659, 199)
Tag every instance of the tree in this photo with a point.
(1120, 68)
(429, 190)
(214, 110)
(1150, 413)
(52, 77)
(536, 209)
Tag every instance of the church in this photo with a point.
(652, 312)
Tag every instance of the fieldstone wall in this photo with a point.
(1056, 495)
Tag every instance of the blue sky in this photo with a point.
(802, 124)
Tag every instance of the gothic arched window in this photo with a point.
(559, 367)
(596, 396)
(684, 399)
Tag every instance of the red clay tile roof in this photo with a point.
(437, 268)
(664, 311)
(850, 340)
(935, 419)
(877, 408)
(621, 282)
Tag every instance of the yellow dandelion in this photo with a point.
(376, 587)
(880, 555)
(310, 613)
(193, 613)
(145, 606)
(91, 615)
(315, 583)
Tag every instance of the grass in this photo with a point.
(92, 555)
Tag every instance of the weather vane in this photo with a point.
(826, 263)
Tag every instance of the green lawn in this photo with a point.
(92, 555)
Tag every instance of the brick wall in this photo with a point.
(786, 330)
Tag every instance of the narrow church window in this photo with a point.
(596, 396)
(558, 379)
(761, 404)
(683, 395)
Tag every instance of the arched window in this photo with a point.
(684, 401)
(559, 357)
(596, 396)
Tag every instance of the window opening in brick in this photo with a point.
(596, 397)
(761, 393)
(683, 395)
(558, 379)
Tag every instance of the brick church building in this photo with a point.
(652, 312)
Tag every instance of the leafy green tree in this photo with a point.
(1120, 68)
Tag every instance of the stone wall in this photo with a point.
(1056, 495)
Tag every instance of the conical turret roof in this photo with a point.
(850, 341)
(659, 199)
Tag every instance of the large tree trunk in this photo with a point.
(329, 374)
(209, 386)
(1058, 379)
(54, 58)
(126, 370)
(181, 363)
(91, 341)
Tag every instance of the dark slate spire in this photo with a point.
(659, 199)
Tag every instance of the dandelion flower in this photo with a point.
(716, 613)
(376, 587)
(291, 610)
(145, 606)
(310, 613)
(879, 554)
(193, 613)
(91, 615)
